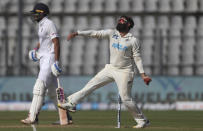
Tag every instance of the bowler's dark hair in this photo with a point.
(129, 19)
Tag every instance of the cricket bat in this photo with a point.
(61, 99)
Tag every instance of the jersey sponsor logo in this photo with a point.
(115, 36)
(119, 46)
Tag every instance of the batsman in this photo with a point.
(124, 52)
(47, 52)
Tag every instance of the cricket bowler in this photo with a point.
(124, 51)
(47, 53)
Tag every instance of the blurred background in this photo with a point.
(170, 33)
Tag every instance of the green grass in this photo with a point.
(106, 120)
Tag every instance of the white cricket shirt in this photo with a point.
(124, 51)
(47, 31)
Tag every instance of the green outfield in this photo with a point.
(106, 120)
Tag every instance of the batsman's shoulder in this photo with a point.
(50, 23)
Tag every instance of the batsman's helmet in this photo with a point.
(39, 11)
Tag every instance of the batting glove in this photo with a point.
(56, 70)
(33, 55)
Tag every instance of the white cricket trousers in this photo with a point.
(46, 81)
(124, 81)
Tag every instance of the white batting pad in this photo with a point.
(38, 98)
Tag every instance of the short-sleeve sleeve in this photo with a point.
(52, 31)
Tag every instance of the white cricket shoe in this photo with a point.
(67, 106)
(142, 124)
(28, 121)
